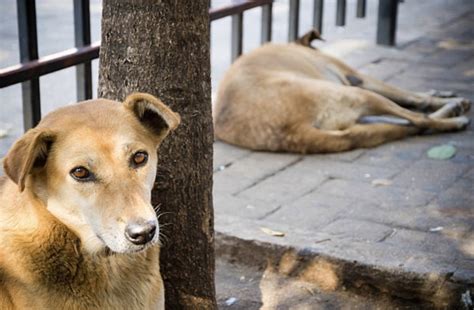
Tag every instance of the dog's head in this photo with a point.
(93, 166)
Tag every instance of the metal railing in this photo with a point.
(31, 67)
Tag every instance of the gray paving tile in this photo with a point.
(357, 230)
(225, 154)
(311, 211)
(286, 185)
(228, 205)
(469, 174)
(430, 175)
(457, 200)
(384, 196)
(397, 155)
(385, 68)
(347, 171)
(430, 242)
(249, 170)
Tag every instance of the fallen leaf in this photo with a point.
(451, 44)
(469, 73)
(441, 152)
(230, 301)
(3, 133)
(381, 182)
(272, 232)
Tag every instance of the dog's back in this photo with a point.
(294, 98)
(265, 94)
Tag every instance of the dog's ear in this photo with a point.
(152, 113)
(28, 153)
(307, 38)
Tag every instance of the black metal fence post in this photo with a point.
(341, 13)
(28, 38)
(294, 20)
(82, 36)
(361, 8)
(266, 32)
(387, 22)
(318, 7)
(237, 34)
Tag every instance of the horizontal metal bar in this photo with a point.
(51, 63)
(48, 64)
(238, 7)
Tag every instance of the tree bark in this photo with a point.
(162, 48)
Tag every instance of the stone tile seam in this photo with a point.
(388, 235)
(261, 218)
(268, 175)
(400, 71)
(313, 189)
(392, 226)
(227, 165)
(368, 200)
(364, 151)
(308, 192)
(453, 20)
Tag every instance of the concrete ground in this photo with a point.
(387, 219)
(386, 222)
(243, 287)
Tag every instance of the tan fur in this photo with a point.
(62, 241)
(292, 97)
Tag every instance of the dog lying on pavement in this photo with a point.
(294, 98)
(77, 229)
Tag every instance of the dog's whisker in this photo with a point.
(163, 239)
(163, 213)
(157, 208)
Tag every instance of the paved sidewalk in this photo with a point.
(387, 218)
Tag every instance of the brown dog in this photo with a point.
(295, 98)
(77, 230)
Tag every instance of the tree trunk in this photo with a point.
(162, 48)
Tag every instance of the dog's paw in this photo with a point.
(462, 105)
(441, 93)
(462, 122)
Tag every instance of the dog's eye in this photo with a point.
(139, 158)
(80, 173)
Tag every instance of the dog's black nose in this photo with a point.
(140, 232)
